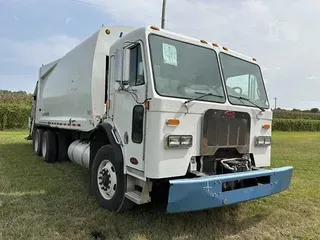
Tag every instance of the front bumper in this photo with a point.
(206, 192)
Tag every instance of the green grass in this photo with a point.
(50, 201)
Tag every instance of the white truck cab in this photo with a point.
(182, 114)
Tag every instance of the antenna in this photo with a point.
(163, 14)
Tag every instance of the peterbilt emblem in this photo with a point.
(229, 114)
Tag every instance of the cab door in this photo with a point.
(129, 109)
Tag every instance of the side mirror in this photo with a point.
(126, 66)
(122, 66)
(118, 66)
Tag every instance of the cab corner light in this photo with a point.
(154, 28)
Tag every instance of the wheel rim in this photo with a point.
(107, 179)
(44, 147)
(36, 142)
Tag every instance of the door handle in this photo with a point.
(114, 133)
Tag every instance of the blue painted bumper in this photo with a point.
(206, 192)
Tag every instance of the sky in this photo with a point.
(282, 35)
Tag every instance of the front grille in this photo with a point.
(223, 130)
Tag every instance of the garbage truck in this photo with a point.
(156, 114)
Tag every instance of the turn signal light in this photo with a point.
(266, 126)
(173, 122)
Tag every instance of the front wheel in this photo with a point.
(108, 181)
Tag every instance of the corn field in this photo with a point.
(15, 109)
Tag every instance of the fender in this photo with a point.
(100, 136)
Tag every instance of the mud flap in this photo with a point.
(207, 192)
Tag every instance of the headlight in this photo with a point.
(262, 141)
(178, 141)
(186, 141)
(173, 141)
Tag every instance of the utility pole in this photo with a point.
(275, 103)
(163, 14)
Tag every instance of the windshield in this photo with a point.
(185, 70)
(243, 79)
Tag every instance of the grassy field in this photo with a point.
(50, 201)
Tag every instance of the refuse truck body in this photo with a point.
(152, 115)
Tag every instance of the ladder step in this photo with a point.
(134, 196)
(199, 174)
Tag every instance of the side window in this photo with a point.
(137, 124)
(136, 67)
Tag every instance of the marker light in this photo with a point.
(204, 41)
(147, 105)
(215, 45)
(154, 28)
(254, 59)
(225, 48)
(107, 31)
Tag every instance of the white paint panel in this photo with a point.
(161, 162)
(75, 88)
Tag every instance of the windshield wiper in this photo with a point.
(204, 95)
(242, 98)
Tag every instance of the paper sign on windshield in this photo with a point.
(169, 54)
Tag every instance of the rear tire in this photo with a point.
(111, 193)
(37, 141)
(63, 144)
(49, 146)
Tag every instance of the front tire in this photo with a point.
(108, 181)
(49, 147)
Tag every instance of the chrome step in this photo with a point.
(134, 196)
